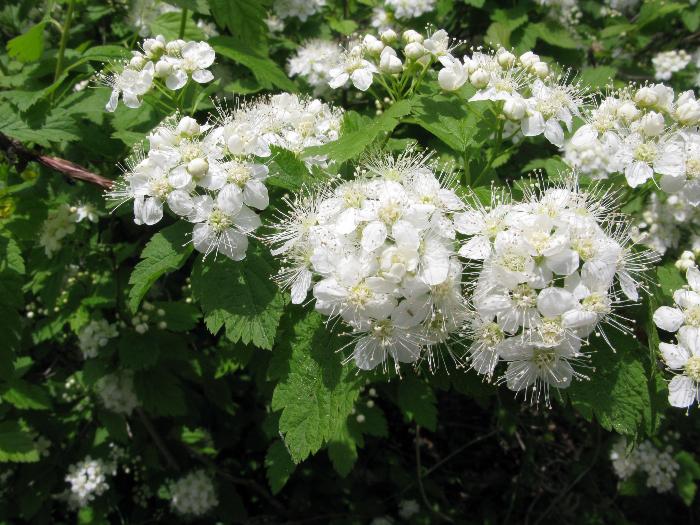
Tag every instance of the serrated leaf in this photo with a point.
(11, 301)
(168, 25)
(178, 316)
(240, 296)
(56, 126)
(167, 251)
(317, 393)
(28, 46)
(26, 396)
(278, 466)
(245, 20)
(351, 145)
(288, 171)
(417, 401)
(688, 473)
(16, 443)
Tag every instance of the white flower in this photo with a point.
(59, 223)
(87, 480)
(193, 494)
(404, 9)
(657, 464)
(354, 68)
(549, 106)
(116, 391)
(95, 335)
(454, 74)
(408, 508)
(314, 60)
(129, 84)
(190, 61)
(641, 156)
(301, 9)
(668, 62)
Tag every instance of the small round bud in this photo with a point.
(198, 167)
(528, 59)
(479, 79)
(373, 45)
(389, 36)
(414, 50)
(514, 109)
(541, 69)
(411, 36)
(163, 69)
(505, 58)
(645, 97)
(628, 111)
(187, 127)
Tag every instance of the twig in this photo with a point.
(419, 477)
(169, 458)
(457, 451)
(66, 167)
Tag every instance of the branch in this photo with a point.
(169, 458)
(68, 168)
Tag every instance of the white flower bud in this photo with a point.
(514, 108)
(652, 124)
(645, 97)
(505, 58)
(453, 77)
(389, 62)
(529, 58)
(628, 111)
(154, 47)
(541, 69)
(414, 50)
(687, 110)
(163, 69)
(389, 36)
(137, 61)
(197, 167)
(411, 36)
(187, 127)
(479, 79)
(174, 47)
(373, 45)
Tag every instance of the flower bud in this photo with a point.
(389, 62)
(174, 47)
(505, 58)
(687, 110)
(187, 127)
(652, 124)
(452, 77)
(163, 69)
(514, 108)
(529, 58)
(479, 79)
(540, 69)
(198, 167)
(372, 44)
(389, 36)
(137, 61)
(645, 97)
(411, 36)
(154, 47)
(414, 50)
(628, 111)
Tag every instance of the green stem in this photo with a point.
(183, 23)
(64, 40)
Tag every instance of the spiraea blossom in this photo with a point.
(116, 392)
(378, 252)
(59, 223)
(407, 9)
(95, 335)
(87, 480)
(666, 63)
(665, 221)
(657, 464)
(213, 175)
(551, 269)
(683, 357)
(171, 64)
(301, 9)
(644, 132)
(313, 62)
(194, 494)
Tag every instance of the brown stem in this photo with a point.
(68, 168)
(169, 458)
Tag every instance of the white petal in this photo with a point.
(176, 80)
(533, 125)
(202, 76)
(255, 194)
(247, 220)
(300, 287)
(675, 356)
(230, 199)
(693, 277)
(554, 133)
(638, 173)
(478, 247)
(564, 263)
(552, 302)
(682, 391)
(361, 79)
(373, 236)
(667, 318)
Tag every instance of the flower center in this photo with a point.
(692, 316)
(585, 247)
(692, 368)
(596, 303)
(382, 330)
(514, 262)
(238, 174)
(360, 295)
(390, 212)
(160, 188)
(692, 168)
(645, 153)
(551, 331)
(524, 297)
(491, 334)
(544, 358)
(219, 221)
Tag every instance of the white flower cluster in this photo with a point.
(566, 12)
(659, 466)
(174, 63)
(664, 221)
(684, 356)
(301, 9)
(87, 479)
(379, 253)
(59, 223)
(313, 62)
(407, 9)
(193, 494)
(531, 95)
(116, 391)
(143, 13)
(554, 267)
(666, 63)
(378, 56)
(620, 7)
(686, 261)
(642, 131)
(95, 335)
(210, 175)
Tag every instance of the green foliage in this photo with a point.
(29, 46)
(417, 401)
(16, 443)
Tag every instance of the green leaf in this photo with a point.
(160, 392)
(351, 145)
(688, 473)
(28, 46)
(345, 27)
(619, 393)
(552, 34)
(597, 77)
(26, 396)
(56, 126)
(168, 25)
(669, 278)
(11, 302)
(278, 466)
(342, 451)
(166, 252)
(16, 443)
(288, 171)
(240, 296)
(317, 393)
(265, 70)
(179, 316)
(417, 401)
(245, 20)
(137, 352)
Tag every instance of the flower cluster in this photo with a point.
(551, 269)
(193, 494)
(210, 175)
(642, 131)
(95, 335)
(658, 465)
(529, 92)
(87, 479)
(407, 9)
(665, 221)
(684, 356)
(566, 12)
(172, 63)
(313, 62)
(686, 261)
(379, 253)
(379, 56)
(60, 223)
(116, 391)
(666, 63)
(301, 9)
